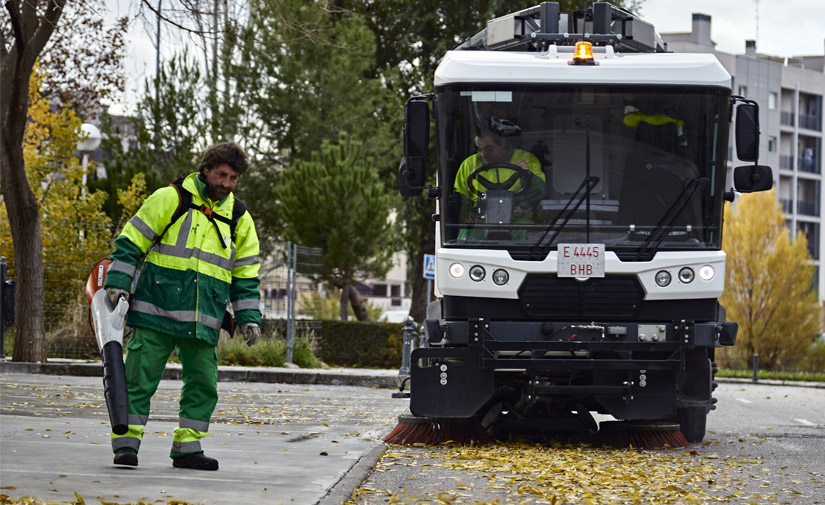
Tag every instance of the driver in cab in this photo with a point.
(509, 168)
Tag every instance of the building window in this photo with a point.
(771, 144)
(395, 290)
(379, 290)
(743, 91)
(772, 97)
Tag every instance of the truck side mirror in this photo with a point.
(412, 172)
(752, 178)
(747, 132)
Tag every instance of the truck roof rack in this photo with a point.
(538, 27)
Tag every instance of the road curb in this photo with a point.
(332, 377)
(341, 491)
(733, 380)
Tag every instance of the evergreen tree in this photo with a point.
(337, 202)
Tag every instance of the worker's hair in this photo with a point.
(229, 153)
(484, 133)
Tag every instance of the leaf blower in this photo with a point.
(107, 322)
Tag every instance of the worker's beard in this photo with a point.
(216, 192)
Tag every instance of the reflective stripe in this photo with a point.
(119, 266)
(186, 447)
(154, 310)
(177, 315)
(210, 322)
(249, 260)
(249, 303)
(194, 424)
(184, 252)
(138, 419)
(143, 228)
(121, 442)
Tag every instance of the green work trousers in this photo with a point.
(146, 355)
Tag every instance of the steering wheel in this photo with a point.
(519, 175)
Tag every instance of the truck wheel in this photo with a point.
(692, 423)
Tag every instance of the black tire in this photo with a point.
(692, 423)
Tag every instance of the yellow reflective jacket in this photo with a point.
(188, 278)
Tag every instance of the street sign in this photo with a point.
(429, 266)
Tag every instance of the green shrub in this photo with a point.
(267, 352)
(361, 344)
(303, 356)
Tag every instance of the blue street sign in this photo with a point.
(429, 266)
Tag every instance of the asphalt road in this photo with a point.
(765, 444)
(276, 443)
(309, 444)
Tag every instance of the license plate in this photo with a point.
(581, 260)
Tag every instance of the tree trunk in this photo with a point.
(344, 300)
(358, 307)
(30, 33)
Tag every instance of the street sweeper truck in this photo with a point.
(581, 171)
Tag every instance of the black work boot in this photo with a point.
(126, 456)
(195, 461)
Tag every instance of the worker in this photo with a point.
(495, 149)
(191, 271)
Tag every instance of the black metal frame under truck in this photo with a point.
(600, 292)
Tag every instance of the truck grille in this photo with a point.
(611, 297)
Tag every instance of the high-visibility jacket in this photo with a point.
(188, 278)
(498, 174)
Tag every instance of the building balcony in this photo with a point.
(810, 122)
(787, 205)
(786, 118)
(808, 208)
(808, 165)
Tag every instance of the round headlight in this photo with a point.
(501, 277)
(707, 272)
(477, 273)
(686, 275)
(456, 270)
(662, 278)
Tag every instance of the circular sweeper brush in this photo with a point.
(640, 434)
(413, 430)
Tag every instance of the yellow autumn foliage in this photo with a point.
(768, 285)
(75, 231)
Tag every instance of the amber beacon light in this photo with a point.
(583, 54)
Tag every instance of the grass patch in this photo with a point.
(270, 352)
(769, 375)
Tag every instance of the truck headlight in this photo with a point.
(456, 270)
(662, 278)
(707, 272)
(501, 277)
(477, 273)
(686, 275)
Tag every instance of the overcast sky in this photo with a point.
(785, 28)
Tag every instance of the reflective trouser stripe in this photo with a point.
(147, 352)
(186, 441)
(131, 438)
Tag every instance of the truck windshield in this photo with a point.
(638, 168)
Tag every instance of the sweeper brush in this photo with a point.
(412, 430)
(642, 435)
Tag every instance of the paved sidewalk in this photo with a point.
(281, 436)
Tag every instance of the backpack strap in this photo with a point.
(185, 203)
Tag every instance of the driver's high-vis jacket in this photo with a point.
(189, 277)
(496, 174)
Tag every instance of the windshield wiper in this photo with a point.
(664, 226)
(566, 213)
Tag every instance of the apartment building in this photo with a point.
(790, 94)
